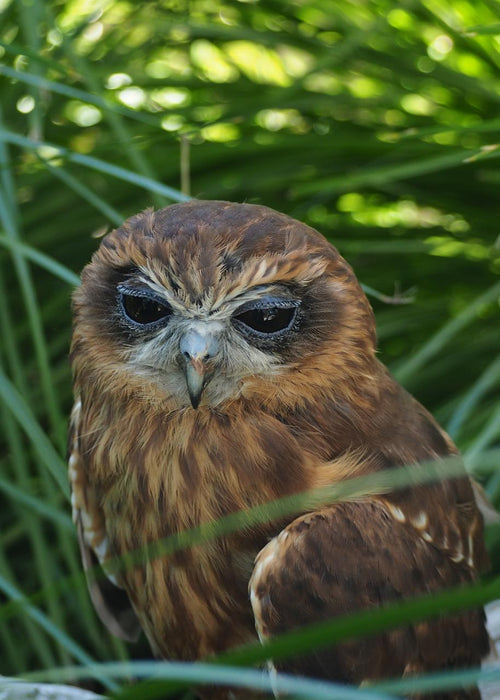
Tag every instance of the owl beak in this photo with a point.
(197, 347)
(195, 380)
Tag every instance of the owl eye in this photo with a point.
(142, 308)
(267, 318)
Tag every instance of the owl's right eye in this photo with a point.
(143, 309)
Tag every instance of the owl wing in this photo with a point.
(110, 600)
(360, 555)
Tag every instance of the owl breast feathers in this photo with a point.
(223, 357)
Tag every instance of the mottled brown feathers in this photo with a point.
(223, 357)
(358, 555)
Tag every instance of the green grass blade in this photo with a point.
(95, 164)
(42, 83)
(38, 643)
(41, 444)
(383, 175)
(487, 436)
(207, 674)
(440, 682)
(489, 377)
(48, 263)
(366, 623)
(9, 219)
(445, 334)
(52, 630)
(45, 510)
(85, 192)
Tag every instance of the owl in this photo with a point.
(224, 356)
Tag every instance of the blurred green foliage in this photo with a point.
(376, 123)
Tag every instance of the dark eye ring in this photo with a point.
(267, 319)
(142, 308)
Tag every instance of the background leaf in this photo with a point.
(373, 122)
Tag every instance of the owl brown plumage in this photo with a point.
(223, 357)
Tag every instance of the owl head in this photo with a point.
(210, 302)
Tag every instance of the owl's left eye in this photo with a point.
(142, 308)
(267, 318)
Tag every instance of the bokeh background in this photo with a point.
(377, 123)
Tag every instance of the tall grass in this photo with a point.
(375, 123)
